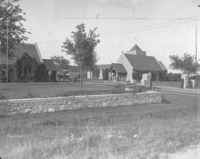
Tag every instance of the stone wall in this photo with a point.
(77, 102)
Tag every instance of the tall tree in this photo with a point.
(11, 25)
(81, 46)
(61, 61)
(186, 63)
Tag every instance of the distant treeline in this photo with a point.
(171, 77)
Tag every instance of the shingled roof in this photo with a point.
(143, 63)
(136, 50)
(31, 49)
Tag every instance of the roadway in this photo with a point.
(179, 91)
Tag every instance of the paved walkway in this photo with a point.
(180, 90)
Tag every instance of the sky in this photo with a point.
(159, 27)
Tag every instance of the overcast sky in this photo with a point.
(51, 21)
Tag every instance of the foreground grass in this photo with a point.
(140, 132)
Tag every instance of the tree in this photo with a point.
(11, 25)
(81, 47)
(186, 64)
(61, 61)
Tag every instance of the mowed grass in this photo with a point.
(54, 89)
(126, 132)
(175, 84)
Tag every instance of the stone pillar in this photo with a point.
(101, 74)
(146, 80)
(110, 76)
(88, 75)
(117, 76)
(143, 79)
(185, 81)
(49, 74)
(193, 83)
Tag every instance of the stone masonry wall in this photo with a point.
(77, 102)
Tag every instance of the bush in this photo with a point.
(173, 77)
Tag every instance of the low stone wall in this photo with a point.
(77, 102)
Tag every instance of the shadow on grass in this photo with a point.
(3, 116)
(48, 123)
(165, 101)
(90, 92)
(2, 97)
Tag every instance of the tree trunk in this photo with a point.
(81, 77)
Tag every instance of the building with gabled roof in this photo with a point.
(143, 63)
(31, 49)
(26, 51)
(130, 66)
(136, 62)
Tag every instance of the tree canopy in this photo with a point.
(186, 63)
(11, 24)
(81, 46)
(61, 61)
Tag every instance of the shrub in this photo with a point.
(173, 77)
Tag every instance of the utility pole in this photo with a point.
(7, 40)
(7, 47)
(0, 62)
(0, 51)
(196, 42)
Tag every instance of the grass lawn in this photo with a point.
(32, 90)
(126, 132)
(176, 84)
(54, 89)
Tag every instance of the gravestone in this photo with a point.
(185, 81)
(101, 74)
(146, 80)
